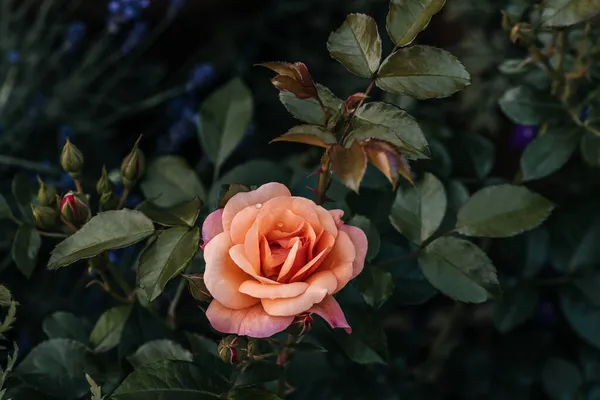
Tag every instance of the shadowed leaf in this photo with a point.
(313, 135)
(406, 18)
(349, 164)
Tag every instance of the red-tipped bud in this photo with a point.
(197, 287)
(301, 325)
(75, 209)
(71, 159)
(44, 217)
(133, 165)
(233, 349)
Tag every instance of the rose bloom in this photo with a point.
(270, 256)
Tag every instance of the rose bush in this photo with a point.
(271, 256)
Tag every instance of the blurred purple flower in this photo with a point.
(201, 76)
(184, 128)
(74, 35)
(116, 256)
(174, 7)
(523, 135)
(13, 56)
(122, 11)
(585, 113)
(135, 36)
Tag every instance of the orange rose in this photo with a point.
(270, 256)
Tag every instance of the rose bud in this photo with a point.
(197, 287)
(44, 217)
(233, 349)
(46, 194)
(133, 166)
(75, 209)
(301, 325)
(104, 185)
(108, 201)
(71, 159)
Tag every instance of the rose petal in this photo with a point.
(330, 310)
(340, 259)
(212, 225)
(252, 321)
(337, 216)
(361, 245)
(296, 305)
(289, 261)
(222, 276)
(259, 196)
(262, 291)
(239, 258)
(324, 279)
(310, 266)
(241, 223)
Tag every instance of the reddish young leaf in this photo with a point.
(352, 102)
(313, 135)
(349, 164)
(388, 159)
(293, 78)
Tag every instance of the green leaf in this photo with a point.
(458, 194)
(95, 390)
(252, 394)
(307, 347)
(109, 328)
(561, 379)
(376, 285)
(387, 122)
(561, 13)
(481, 153)
(179, 380)
(5, 211)
(357, 45)
(259, 372)
(166, 257)
(159, 350)
(255, 172)
(418, 211)
(5, 296)
(170, 181)
(201, 344)
(63, 324)
(105, 231)
(22, 189)
(406, 18)
(460, 269)
(224, 119)
(548, 153)
(502, 211)
(524, 106)
(536, 253)
(370, 230)
(56, 367)
(589, 285)
(517, 305)
(582, 315)
(422, 72)
(590, 149)
(309, 134)
(184, 214)
(142, 326)
(25, 249)
(309, 110)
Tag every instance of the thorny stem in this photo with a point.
(359, 105)
(175, 301)
(560, 59)
(264, 356)
(324, 178)
(281, 361)
(53, 234)
(78, 186)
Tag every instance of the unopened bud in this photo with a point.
(75, 209)
(301, 325)
(46, 194)
(197, 287)
(109, 201)
(233, 349)
(44, 217)
(71, 159)
(133, 165)
(104, 185)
